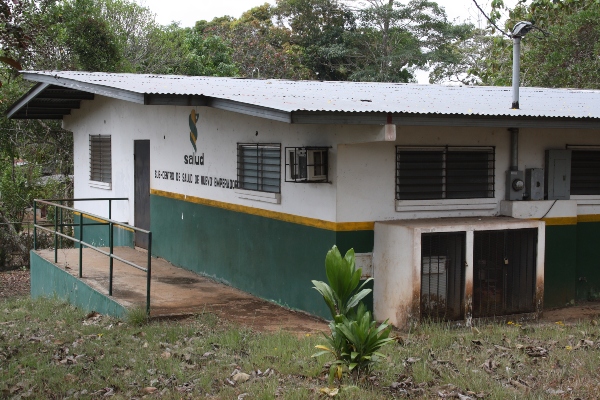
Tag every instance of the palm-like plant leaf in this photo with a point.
(354, 338)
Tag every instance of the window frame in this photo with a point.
(441, 180)
(260, 177)
(577, 179)
(100, 161)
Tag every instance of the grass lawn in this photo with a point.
(51, 350)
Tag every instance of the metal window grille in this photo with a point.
(259, 167)
(442, 275)
(585, 172)
(444, 173)
(100, 158)
(307, 164)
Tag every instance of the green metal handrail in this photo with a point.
(105, 222)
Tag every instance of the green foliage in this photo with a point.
(569, 56)
(94, 44)
(209, 56)
(342, 294)
(355, 337)
(563, 53)
(322, 28)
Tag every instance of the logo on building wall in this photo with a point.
(193, 130)
(193, 159)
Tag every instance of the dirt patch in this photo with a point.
(265, 316)
(14, 283)
(585, 311)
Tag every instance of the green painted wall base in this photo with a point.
(47, 280)
(588, 261)
(277, 260)
(98, 235)
(560, 271)
(271, 259)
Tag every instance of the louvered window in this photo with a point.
(585, 172)
(444, 173)
(100, 158)
(259, 167)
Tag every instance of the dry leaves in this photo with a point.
(14, 283)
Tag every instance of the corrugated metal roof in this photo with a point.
(290, 96)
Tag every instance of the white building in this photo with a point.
(252, 181)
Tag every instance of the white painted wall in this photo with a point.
(167, 127)
(362, 174)
(366, 172)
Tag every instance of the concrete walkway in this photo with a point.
(178, 292)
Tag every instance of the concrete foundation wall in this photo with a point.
(397, 263)
(47, 280)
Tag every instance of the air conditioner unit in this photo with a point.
(307, 164)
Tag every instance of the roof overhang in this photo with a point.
(55, 96)
(47, 101)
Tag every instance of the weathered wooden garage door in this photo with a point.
(141, 158)
(504, 272)
(442, 275)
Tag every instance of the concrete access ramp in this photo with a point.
(175, 292)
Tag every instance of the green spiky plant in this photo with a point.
(355, 337)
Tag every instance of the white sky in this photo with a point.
(187, 12)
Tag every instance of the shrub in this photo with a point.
(355, 337)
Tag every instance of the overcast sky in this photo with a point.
(187, 12)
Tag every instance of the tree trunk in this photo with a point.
(13, 232)
(385, 37)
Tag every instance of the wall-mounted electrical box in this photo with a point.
(558, 174)
(515, 185)
(534, 183)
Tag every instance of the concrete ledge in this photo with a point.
(539, 209)
(48, 280)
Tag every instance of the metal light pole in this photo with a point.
(520, 30)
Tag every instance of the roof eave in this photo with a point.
(26, 98)
(102, 90)
(457, 120)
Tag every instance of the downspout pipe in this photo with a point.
(514, 149)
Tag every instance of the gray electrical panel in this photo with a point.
(558, 174)
(515, 185)
(534, 183)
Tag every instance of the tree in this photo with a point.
(569, 54)
(322, 30)
(28, 149)
(562, 52)
(259, 47)
(21, 23)
(209, 56)
(466, 60)
(395, 38)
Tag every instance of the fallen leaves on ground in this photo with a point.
(14, 283)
